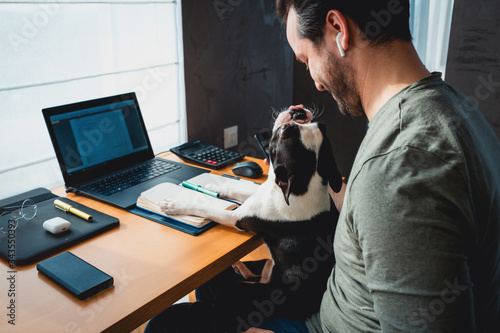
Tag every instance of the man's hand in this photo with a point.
(257, 330)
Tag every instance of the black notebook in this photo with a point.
(31, 242)
(75, 275)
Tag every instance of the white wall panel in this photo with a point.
(63, 52)
(80, 40)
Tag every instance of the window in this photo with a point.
(60, 52)
(430, 24)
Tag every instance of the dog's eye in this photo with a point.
(283, 127)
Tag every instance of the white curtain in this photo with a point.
(430, 24)
(59, 52)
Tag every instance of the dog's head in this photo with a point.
(299, 148)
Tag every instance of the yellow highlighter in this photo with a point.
(70, 209)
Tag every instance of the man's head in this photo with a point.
(318, 29)
(377, 20)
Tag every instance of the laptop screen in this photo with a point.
(97, 135)
(91, 137)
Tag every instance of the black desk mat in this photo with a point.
(31, 242)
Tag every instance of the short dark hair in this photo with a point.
(379, 20)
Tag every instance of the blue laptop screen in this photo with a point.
(92, 137)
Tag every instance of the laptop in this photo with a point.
(104, 152)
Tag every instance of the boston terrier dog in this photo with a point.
(295, 215)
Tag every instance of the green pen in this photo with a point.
(201, 189)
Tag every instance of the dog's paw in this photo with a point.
(219, 189)
(241, 269)
(175, 207)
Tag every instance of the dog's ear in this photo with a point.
(284, 181)
(327, 167)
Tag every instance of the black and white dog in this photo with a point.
(293, 212)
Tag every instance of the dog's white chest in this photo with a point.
(268, 202)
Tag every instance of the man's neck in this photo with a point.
(390, 68)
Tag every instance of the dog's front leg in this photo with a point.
(267, 271)
(242, 269)
(237, 194)
(176, 207)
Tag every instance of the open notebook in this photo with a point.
(149, 199)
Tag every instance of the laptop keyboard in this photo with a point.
(134, 176)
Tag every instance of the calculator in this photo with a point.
(206, 155)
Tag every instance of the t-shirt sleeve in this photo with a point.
(413, 223)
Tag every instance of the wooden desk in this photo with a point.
(153, 267)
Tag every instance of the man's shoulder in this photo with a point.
(413, 125)
(433, 117)
(442, 121)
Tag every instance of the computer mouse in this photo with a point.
(248, 169)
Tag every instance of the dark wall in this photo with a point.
(238, 67)
(474, 55)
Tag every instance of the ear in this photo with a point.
(327, 167)
(336, 22)
(284, 182)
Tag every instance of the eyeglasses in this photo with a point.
(9, 219)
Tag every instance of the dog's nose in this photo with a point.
(298, 114)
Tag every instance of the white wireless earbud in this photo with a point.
(341, 50)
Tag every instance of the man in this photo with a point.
(417, 243)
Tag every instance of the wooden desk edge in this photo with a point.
(162, 302)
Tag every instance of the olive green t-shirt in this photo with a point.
(417, 242)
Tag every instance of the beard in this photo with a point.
(340, 83)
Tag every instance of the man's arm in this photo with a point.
(413, 225)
